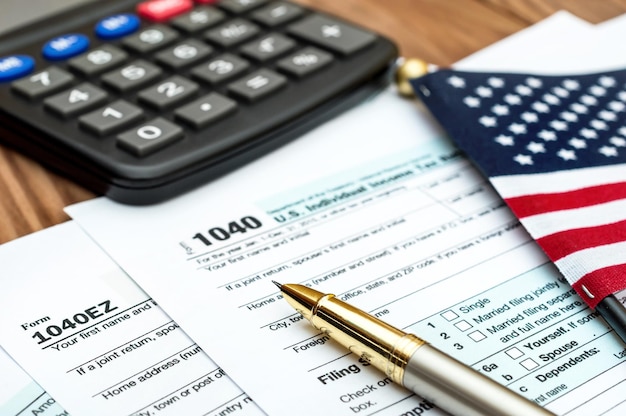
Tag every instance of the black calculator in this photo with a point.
(141, 101)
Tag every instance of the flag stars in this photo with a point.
(621, 95)
(589, 133)
(569, 116)
(566, 154)
(534, 82)
(524, 90)
(535, 147)
(551, 99)
(495, 82)
(577, 143)
(540, 107)
(588, 100)
(597, 90)
(505, 140)
(579, 108)
(607, 115)
(608, 151)
(512, 99)
(500, 110)
(488, 121)
(571, 84)
(622, 131)
(517, 128)
(618, 141)
(484, 92)
(560, 92)
(456, 81)
(599, 124)
(547, 135)
(472, 102)
(529, 117)
(607, 81)
(616, 106)
(523, 160)
(558, 125)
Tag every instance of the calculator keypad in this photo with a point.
(188, 76)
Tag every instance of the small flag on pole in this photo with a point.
(554, 147)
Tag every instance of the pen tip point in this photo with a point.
(278, 285)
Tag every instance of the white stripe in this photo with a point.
(541, 225)
(586, 261)
(562, 181)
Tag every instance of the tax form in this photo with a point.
(97, 342)
(411, 233)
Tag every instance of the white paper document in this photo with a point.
(97, 343)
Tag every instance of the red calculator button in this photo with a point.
(162, 10)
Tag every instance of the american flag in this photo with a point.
(554, 147)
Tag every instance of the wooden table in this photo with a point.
(438, 31)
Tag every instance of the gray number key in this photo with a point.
(135, 75)
(198, 19)
(206, 110)
(305, 61)
(277, 13)
(151, 39)
(220, 69)
(98, 60)
(111, 118)
(332, 34)
(241, 6)
(168, 93)
(183, 54)
(149, 137)
(43, 83)
(76, 100)
(257, 84)
(268, 47)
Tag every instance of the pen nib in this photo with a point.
(278, 285)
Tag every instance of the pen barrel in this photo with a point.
(461, 390)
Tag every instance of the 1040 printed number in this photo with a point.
(224, 233)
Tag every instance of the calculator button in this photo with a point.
(268, 47)
(332, 34)
(117, 26)
(112, 118)
(233, 32)
(241, 6)
(149, 137)
(277, 13)
(76, 100)
(184, 53)
(206, 110)
(223, 67)
(305, 61)
(150, 39)
(65, 47)
(163, 10)
(257, 85)
(43, 83)
(98, 60)
(133, 76)
(200, 18)
(168, 92)
(15, 66)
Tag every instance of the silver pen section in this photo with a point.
(407, 359)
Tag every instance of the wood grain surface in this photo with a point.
(439, 31)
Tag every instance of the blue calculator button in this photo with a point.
(15, 66)
(116, 26)
(65, 47)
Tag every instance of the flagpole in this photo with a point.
(614, 313)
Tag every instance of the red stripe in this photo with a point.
(563, 243)
(525, 206)
(601, 283)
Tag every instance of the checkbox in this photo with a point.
(449, 315)
(514, 353)
(477, 336)
(463, 325)
(529, 364)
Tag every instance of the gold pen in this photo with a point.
(407, 359)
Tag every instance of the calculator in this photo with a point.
(142, 101)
